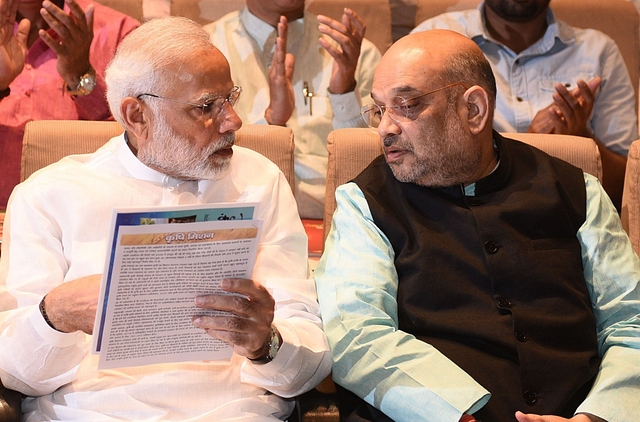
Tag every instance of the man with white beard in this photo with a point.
(172, 91)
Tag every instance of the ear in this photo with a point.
(137, 119)
(478, 109)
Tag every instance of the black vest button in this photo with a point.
(530, 397)
(491, 247)
(520, 336)
(504, 303)
(475, 202)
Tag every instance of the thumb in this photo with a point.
(88, 14)
(23, 33)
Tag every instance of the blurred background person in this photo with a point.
(52, 60)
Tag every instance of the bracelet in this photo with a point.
(43, 312)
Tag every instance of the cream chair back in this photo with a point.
(630, 213)
(47, 141)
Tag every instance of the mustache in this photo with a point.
(392, 139)
(389, 140)
(226, 140)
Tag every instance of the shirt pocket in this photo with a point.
(546, 84)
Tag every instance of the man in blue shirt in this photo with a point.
(553, 78)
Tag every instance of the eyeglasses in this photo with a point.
(210, 108)
(406, 110)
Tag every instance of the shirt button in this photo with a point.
(520, 336)
(475, 202)
(530, 397)
(28, 66)
(491, 247)
(519, 99)
(504, 303)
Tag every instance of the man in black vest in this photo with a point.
(470, 277)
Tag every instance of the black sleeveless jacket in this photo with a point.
(494, 281)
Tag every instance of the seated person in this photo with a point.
(468, 276)
(322, 91)
(553, 78)
(172, 91)
(52, 67)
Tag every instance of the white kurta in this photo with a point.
(56, 230)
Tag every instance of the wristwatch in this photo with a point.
(86, 84)
(274, 346)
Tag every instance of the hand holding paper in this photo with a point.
(249, 322)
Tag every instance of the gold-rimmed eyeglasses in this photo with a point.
(405, 110)
(209, 108)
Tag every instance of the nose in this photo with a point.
(388, 126)
(230, 119)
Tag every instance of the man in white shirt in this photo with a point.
(172, 91)
(310, 73)
(553, 78)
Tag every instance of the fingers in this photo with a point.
(249, 322)
(22, 35)
(593, 85)
(8, 11)
(67, 26)
(283, 29)
(576, 106)
(282, 100)
(253, 295)
(351, 26)
(348, 33)
(280, 53)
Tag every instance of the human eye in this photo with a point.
(377, 110)
(408, 107)
(211, 106)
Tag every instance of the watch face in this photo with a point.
(87, 83)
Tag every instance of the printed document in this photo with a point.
(156, 269)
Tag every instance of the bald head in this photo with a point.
(440, 56)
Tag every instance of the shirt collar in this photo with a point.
(264, 34)
(557, 31)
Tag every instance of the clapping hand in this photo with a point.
(13, 48)
(348, 34)
(570, 111)
(282, 99)
(74, 33)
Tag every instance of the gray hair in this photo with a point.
(471, 69)
(146, 52)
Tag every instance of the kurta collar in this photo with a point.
(140, 171)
